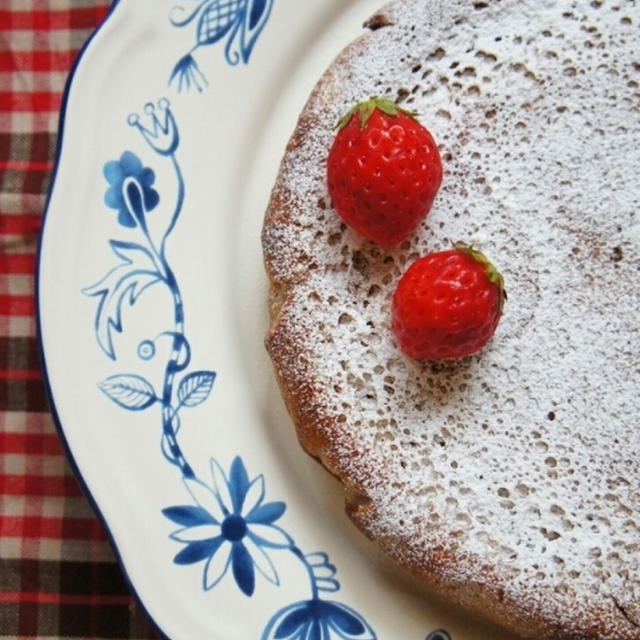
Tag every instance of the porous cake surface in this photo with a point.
(509, 480)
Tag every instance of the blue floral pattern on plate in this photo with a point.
(239, 21)
(227, 524)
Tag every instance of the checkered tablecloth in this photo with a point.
(58, 575)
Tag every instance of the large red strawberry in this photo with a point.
(447, 304)
(383, 171)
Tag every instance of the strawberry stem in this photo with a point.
(494, 276)
(366, 108)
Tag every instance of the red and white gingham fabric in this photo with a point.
(58, 576)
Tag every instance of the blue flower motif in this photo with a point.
(318, 620)
(231, 527)
(239, 21)
(130, 190)
(161, 134)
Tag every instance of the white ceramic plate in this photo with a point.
(152, 311)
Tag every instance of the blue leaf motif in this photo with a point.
(198, 551)
(297, 625)
(255, 19)
(289, 622)
(129, 391)
(243, 569)
(188, 515)
(239, 483)
(256, 11)
(345, 621)
(124, 283)
(267, 513)
(195, 388)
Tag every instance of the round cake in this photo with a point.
(509, 480)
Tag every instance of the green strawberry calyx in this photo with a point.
(366, 108)
(493, 275)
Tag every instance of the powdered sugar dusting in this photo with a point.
(524, 458)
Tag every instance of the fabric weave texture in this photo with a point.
(58, 574)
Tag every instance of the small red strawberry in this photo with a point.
(383, 171)
(447, 304)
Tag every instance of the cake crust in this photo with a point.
(509, 481)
